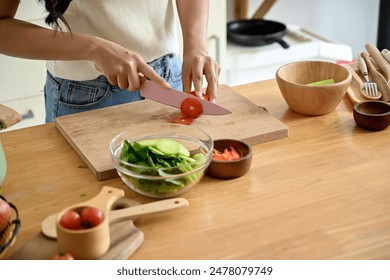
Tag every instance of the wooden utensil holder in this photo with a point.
(94, 242)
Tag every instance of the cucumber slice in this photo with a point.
(183, 150)
(322, 83)
(187, 158)
(148, 142)
(155, 151)
(168, 146)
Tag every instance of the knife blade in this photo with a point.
(174, 98)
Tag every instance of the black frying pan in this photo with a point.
(256, 32)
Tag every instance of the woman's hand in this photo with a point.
(196, 62)
(194, 67)
(123, 67)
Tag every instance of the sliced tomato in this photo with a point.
(183, 120)
(191, 107)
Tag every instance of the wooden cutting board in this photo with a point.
(90, 133)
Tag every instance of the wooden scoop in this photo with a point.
(132, 210)
(94, 242)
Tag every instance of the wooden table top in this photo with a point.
(321, 193)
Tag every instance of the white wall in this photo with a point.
(352, 22)
(22, 80)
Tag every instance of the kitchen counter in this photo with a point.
(321, 193)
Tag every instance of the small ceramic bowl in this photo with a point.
(230, 169)
(372, 114)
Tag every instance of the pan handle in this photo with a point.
(282, 43)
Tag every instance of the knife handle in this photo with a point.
(363, 68)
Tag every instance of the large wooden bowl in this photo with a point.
(293, 80)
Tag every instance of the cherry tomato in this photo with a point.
(183, 120)
(63, 256)
(71, 220)
(191, 107)
(91, 217)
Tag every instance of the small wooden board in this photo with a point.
(125, 240)
(90, 133)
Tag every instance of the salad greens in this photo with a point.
(160, 158)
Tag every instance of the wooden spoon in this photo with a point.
(380, 61)
(132, 211)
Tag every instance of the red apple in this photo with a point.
(5, 214)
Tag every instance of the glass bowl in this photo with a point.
(161, 160)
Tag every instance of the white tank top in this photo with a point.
(146, 27)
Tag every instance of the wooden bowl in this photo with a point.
(372, 114)
(293, 80)
(223, 169)
(92, 243)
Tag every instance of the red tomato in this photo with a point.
(190, 107)
(91, 217)
(5, 214)
(183, 120)
(71, 220)
(63, 256)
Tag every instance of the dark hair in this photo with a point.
(56, 9)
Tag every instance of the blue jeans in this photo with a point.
(64, 97)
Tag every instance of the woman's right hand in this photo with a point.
(123, 67)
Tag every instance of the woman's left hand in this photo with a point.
(194, 68)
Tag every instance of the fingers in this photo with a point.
(212, 76)
(149, 73)
(131, 78)
(194, 76)
(194, 68)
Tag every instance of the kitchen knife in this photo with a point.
(174, 98)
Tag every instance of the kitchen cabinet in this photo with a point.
(217, 35)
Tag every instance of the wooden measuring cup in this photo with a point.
(94, 242)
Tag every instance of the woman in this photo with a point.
(98, 50)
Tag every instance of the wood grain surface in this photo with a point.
(320, 193)
(125, 240)
(90, 133)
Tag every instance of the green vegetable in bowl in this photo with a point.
(156, 160)
(322, 83)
